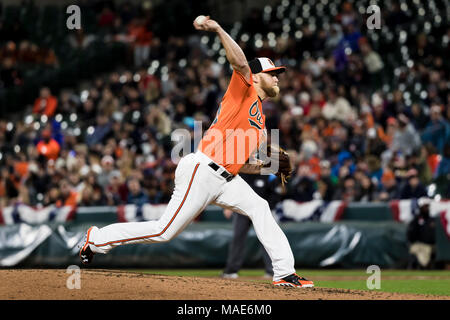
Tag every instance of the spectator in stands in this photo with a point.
(389, 189)
(334, 37)
(136, 195)
(68, 104)
(67, 195)
(9, 50)
(127, 12)
(443, 168)
(10, 75)
(24, 53)
(100, 131)
(39, 179)
(86, 196)
(357, 141)
(48, 147)
(418, 117)
(373, 63)
(432, 156)
(11, 184)
(324, 191)
(438, 129)
(403, 138)
(413, 187)
(347, 189)
(406, 139)
(325, 173)
(396, 16)
(51, 197)
(396, 104)
(141, 39)
(46, 103)
(153, 190)
(442, 176)
(117, 190)
(348, 14)
(421, 237)
(108, 103)
(107, 165)
(48, 57)
(366, 190)
(301, 187)
(418, 161)
(158, 119)
(98, 196)
(92, 195)
(351, 36)
(345, 160)
(337, 107)
(87, 113)
(106, 18)
(80, 40)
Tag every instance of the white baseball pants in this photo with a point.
(196, 186)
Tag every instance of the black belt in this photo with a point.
(228, 176)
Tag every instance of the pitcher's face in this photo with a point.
(269, 83)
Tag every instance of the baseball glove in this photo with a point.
(276, 153)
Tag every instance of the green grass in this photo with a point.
(431, 286)
(200, 272)
(418, 282)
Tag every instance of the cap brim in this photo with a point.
(278, 70)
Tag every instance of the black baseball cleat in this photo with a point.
(294, 280)
(86, 254)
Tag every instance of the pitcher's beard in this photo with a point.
(273, 91)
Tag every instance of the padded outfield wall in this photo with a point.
(358, 240)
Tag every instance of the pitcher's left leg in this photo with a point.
(238, 196)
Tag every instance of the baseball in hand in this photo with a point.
(200, 20)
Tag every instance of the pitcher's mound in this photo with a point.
(51, 284)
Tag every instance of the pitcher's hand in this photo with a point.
(207, 25)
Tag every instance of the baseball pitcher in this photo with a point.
(211, 174)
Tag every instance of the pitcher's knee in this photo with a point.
(262, 207)
(265, 205)
(166, 236)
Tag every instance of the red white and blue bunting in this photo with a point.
(288, 210)
(22, 213)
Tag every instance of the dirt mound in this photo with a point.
(51, 284)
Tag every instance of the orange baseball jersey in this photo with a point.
(239, 126)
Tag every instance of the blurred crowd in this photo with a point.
(356, 129)
(25, 53)
(22, 47)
